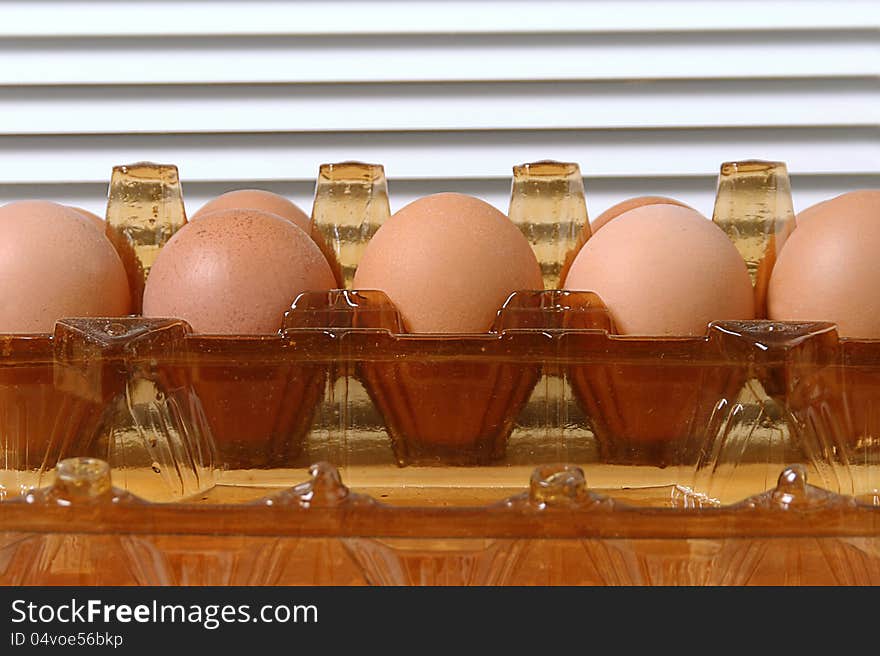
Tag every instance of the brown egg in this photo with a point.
(448, 262)
(664, 270)
(853, 201)
(266, 201)
(234, 272)
(257, 199)
(630, 204)
(54, 264)
(97, 221)
(828, 269)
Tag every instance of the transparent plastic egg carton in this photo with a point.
(341, 451)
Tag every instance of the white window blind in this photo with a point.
(648, 97)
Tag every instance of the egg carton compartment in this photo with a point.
(84, 390)
(431, 432)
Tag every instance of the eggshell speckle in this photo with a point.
(829, 270)
(630, 204)
(97, 221)
(664, 270)
(234, 272)
(53, 265)
(448, 262)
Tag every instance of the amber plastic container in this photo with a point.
(465, 458)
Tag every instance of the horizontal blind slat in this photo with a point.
(414, 155)
(434, 58)
(164, 17)
(502, 106)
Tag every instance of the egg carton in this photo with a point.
(83, 531)
(436, 436)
